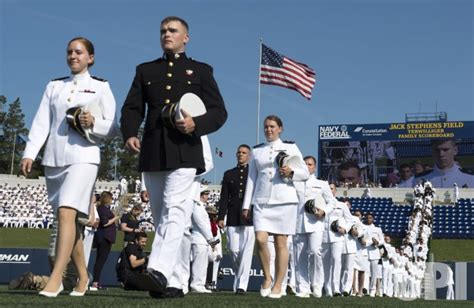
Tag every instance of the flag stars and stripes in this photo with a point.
(276, 69)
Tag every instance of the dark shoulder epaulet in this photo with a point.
(98, 78)
(258, 145)
(151, 62)
(288, 141)
(61, 78)
(467, 171)
(423, 173)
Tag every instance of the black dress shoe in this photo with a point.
(170, 293)
(155, 281)
(345, 293)
(336, 294)
(240, 292)
(174, 293)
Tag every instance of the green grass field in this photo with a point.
(443, 249)
(120, 298)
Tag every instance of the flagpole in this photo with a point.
(258, 98)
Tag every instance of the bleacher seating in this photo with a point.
(449, 221)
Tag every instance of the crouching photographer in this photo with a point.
(132, 263)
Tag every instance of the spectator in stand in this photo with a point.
(130, 224)
(407, 178)
(350, 173)
(418, 167)
(446, 171)
(104, 237)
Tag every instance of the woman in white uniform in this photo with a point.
(70, 161)
(271, 191)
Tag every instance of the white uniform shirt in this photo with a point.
(375, 232)
(64, 145)
(202, 232)
(321, 193)
(446, 178)
(341, 213)
(264, 183)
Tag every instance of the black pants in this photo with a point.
(103, 250)
(135, 281)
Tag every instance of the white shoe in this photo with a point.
(200, 290)
(52, 294)
(265, 292)
(275, 296)
(302, 295)
(317, 292)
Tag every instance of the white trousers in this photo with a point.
(200, 255)
(332, 254)
(240, 242)
(308, 261)
(179, 279)
(347, 271)
(387, 281)
(374, 273)
(450, 292)
(171, 206)
(289, 277)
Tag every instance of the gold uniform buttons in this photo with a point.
(169, 75)
(75, 82)
(69, 99)
(148, 83)
(168, 87)
(189, 82)
(176, 55)
(72, 91)
(170, 64)
(167, 101)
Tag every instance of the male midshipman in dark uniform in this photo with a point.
(240, 236)
(170, 153)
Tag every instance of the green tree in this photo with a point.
(14, 137)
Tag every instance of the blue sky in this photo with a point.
(375, 60)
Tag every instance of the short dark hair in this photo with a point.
(349, 164)
(140, 235)
(310, 157)
(175, 18)
(243, 145)
(402, 166)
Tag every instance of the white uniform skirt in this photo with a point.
(71, 186)
(275, 218)
(361, 263)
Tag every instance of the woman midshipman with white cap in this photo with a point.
(72, 156)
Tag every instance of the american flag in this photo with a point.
(278, 70)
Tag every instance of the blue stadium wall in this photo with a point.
(15, 261)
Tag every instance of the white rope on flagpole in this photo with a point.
(258, 99)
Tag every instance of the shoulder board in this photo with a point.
(423, 173)
(61, 78)
(467, 171)
(202, 63)
(98, 78)
(258, 145)
(288, 141)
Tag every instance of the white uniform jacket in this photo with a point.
(446, 178)
(375, 232)
(321, 193)
(201, 232)
(350, 242)
(264, 183)
(65, 146)
(391, 253)
(365, 236)
(341, 213)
